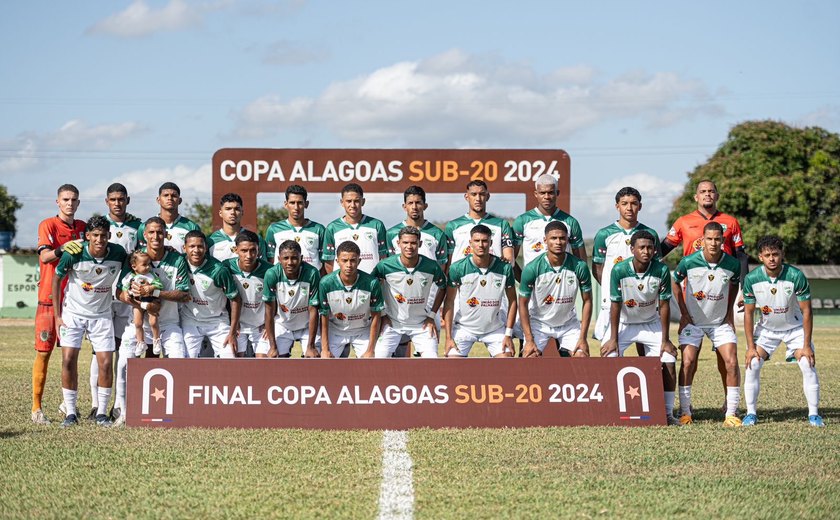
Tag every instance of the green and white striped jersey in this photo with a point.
(432, 242)
(552, 291)
(639, 294)
(293, 297)
(777, 299)
(90, 282)
(349, 308)
(310, 237)
(125, 233)
(706, 286)
(458, 235)
(480, 293)
(405, 290)
(369, 235)
(529, 232)
(211, 285)
(250, 286)
(222, 246)
(174, 233)
(172, 271)
(612, 245)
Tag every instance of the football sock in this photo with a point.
(69, 401)
(39, 379)
(104, 397)
(94, 382)
(751, 384)
(685, 399)
(810, 384)
(669, 403)
(733, 397)
(119, 400)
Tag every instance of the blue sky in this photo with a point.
(638, 93)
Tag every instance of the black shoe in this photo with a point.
(103, 420)
(115, 413)
(69, 421)
(92, 415)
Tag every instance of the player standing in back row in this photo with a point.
(459, 231)
(366, 232)
(221, 244)
(307, 233)
(176, 225)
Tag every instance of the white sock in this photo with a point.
(733, 398)
(104, 398)
(811, 385)
(669, 403)
(122, 362)
(69, 401)
(751, 384)
(685, 399)
(94, 382)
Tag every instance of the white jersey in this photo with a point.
(211, 285)
(480, 294)
(552, 291)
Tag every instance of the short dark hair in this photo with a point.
(230, 197)
(195, 233)
(481, 229)
(414, 190)
(477, 182)
(713, 226)
(155, 220)
(67, 187)
(136, 255)
(353, 188)
(246, 235)
(710, 181)
(555, 225)
(348, 247)
(289, 245)
(769, 242)
(643, 234)
(296, 189)
(97, 222)
(169, 186)
(116, 188)
(628, 191)
(409, 230)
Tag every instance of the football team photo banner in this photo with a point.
(249, 171)
(394, 393)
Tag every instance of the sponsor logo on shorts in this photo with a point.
(473, 302)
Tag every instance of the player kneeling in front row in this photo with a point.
(291, 304)
(350, 302)
(248, 270)
(547, 294)
(638, 286)
(783, 295)
(711, 279)
(477, 284)
(87, 310)
(205, 315)
(408, 279)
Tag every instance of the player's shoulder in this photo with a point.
(116, 252)
(607, 231)
(337, 223)
(658, 268)
(460, 267)
(756, 275)
(695, 259)
(645, 227)
(307, 270)
(216, 236)
(458, 222)
(231, 264)
(185, 223)
(500, 266)
(729, 262)
(792, 273)
(395, 229)
(374, 222)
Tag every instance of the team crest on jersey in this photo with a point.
(98, 270)
(232, 249)
(711, 277)
(497, 283)
(788, 291)
(409, 281)
(537, 247)
(168, 235)
(369, 236)
(348, 300)
(245, 285)
(423, 282)
(297, 238)
(631, 303)
(626, 241)
(618, 259)
(284, 308)
(641, 286)
(473, 302)
(700, 295)
(292, 292)
(87, 287)
(363, 298)
(557, 280)
(483, 282)
(773, 290)
(766, 310)
(119, 234)
(400, 298)
(355, 236)
(548, 300)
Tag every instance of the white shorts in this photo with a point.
(567, 335)
(718, 334)
(246, 334)
(391, 337)
(769, 340)
(602, 324)
(285, 340)
(464, 341)
(171, 339)
(216, 332)
(123, 317)
(100, 332)
(648, 334)
(359, 339)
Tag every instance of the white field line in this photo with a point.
(396, 495)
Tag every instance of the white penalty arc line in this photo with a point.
(396, 495)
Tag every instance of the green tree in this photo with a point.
(9, 205)
(267, 215)
(779, 180)
(202, 214)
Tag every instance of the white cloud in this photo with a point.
(458, 99)
(18, 155)
(138, 19)
(826, 116)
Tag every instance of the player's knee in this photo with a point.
(756, 363)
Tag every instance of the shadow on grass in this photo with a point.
(770, 414)
(10, 434)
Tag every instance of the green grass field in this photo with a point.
(781, 468)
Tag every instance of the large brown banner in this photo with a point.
(394, 393)
(249, 171)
